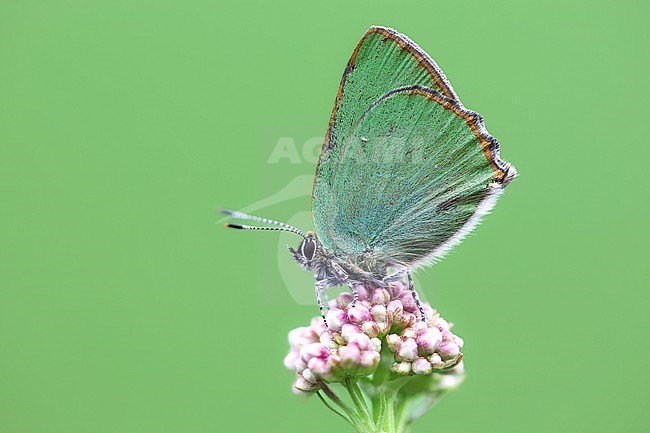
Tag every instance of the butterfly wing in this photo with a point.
(405, 174)
(383, 60)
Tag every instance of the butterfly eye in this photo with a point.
(308, 248)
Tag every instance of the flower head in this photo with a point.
(318, 353)
(350, 346)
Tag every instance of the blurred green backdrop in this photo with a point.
(125, 124)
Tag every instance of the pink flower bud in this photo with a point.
(380, 297)
(348, 331)
(379, 313)
(436, 361)
(448, 350)
(333, 361)
(421, 366)
(309, 376)
(336, 318)
(395, 309)
(407, 320)
(408, 350)
(362, 292)
(458, 341)
(344, 299)
(447, 336)
(350, 355)
(371, 329)
(407, 301)
(402, 368)
(361, 340)
(384, 327)
(290, 359)
(303, 386)
(442, 324)
(375, 344)
(328, 341)
(393, 341)
(300, 336)
(314, 350)
(318, 366)
(428, 341)
(317, 325)
(300, 365)
(369, 359)
(409, 333)
(359, 314)
(419, 326)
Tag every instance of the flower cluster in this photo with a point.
(351, 344)
(320, 354)
(425, 347)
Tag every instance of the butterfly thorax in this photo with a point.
(338, 268)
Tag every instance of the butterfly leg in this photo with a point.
(320, 287)
(416, 297)
(355, 295)
(396, 276)
(399, 275)
(325, 299)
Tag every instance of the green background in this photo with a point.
(125, 124)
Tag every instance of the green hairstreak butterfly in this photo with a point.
(405, 171)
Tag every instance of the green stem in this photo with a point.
(333, 409)
(358, 398)
(335, 398)
(381, 409)
(386, 413)
(357, 418)
(391, 411)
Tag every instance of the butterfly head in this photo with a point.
(309, 252)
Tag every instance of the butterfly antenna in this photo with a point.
(242, 216)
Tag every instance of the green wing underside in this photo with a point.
(383, 60)
(407, 178)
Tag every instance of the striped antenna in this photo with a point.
(242, 216)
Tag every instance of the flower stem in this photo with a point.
(381, 407)
(356, 418)
(335, 398)
(333, 409)
(358, 399)
(391, 410)
(360, 416)
(388, 421)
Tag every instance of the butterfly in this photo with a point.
(405, 171)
